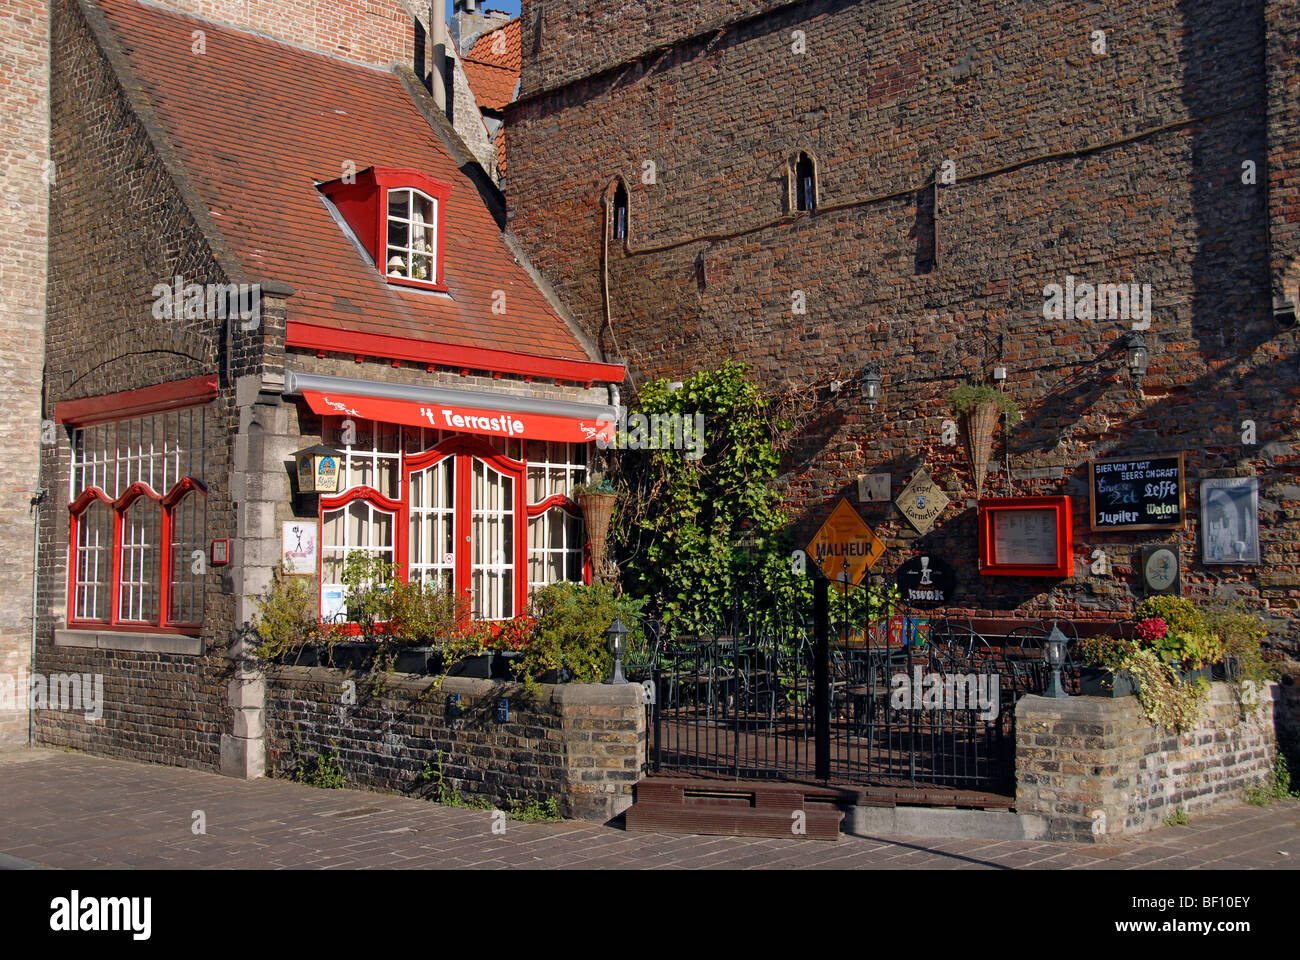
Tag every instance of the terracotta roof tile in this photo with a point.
(258, 123)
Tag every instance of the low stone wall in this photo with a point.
(1094, 767)
(583, 744)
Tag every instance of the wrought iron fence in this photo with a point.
(901, 698)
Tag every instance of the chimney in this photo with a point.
(470, 21)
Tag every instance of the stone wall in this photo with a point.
(24, 208)
(1094, 767)
(1115, 164)
(582, 744)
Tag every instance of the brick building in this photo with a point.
(25, 171)
(257, 248)
(822, 187)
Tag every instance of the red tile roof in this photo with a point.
(492, 66)
(257, 123)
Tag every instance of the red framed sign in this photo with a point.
(1025, 537)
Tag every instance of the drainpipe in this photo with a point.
(438, 40)
(37, 499)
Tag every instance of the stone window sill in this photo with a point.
(173, 643)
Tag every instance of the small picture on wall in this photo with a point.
(1230, 520)
(299, 546)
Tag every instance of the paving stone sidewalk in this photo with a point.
(73, 810)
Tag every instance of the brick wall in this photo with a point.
(1095, 767)
(370, 31)
(580, 744)
(24, 152)
(1122, 167)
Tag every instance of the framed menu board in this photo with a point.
(1145, 493)
(1025, 537)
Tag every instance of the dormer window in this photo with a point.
(397, 217)
(412, 235)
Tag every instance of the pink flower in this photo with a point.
(1152, 629)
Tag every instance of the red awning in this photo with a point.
(458, 419)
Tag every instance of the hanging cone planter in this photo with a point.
(597, 508)
(980, 425)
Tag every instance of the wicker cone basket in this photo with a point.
(596, 511)
(980, 424)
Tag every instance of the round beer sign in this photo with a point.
(926, 581)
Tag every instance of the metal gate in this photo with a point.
(898, 699)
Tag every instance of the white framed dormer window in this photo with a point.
(398, 217)
(412, 235)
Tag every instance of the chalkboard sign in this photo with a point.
(1137, 494)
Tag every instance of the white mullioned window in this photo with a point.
(127, 477)
(417, 522)
(412, 235)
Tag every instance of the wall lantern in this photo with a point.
(1055, 649)
(616, 636)
(1137, 355)
(871, 385)
(318, 469)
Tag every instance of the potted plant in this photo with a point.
(981, 405)
(597, 500)
(1166, 701)
(509, 641)
(288, 630)
(570, 632)
(1103, 670)
(1178, 633)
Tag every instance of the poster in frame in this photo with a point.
(1230, 520)
(300, 546)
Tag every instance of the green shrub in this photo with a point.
(287, 615)
(1166, 701)
(1189, 640)
(968, 396)
(571, 622)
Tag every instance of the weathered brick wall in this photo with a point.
(1094, 767)
(1117, 167)
(370, 31)
(580, 744)
(24, 170)
(120, 223)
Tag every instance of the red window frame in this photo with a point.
(465, 448)
(166, 503)
(363, 203)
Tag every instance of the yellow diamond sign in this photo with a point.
(845, 539)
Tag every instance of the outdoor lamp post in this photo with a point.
(1055, 659)
(616, 636)
(871, 385)
(1137, 355)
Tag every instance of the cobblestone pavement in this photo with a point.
(73, 810)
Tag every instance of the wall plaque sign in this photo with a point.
(1025, 536)
(1160, 569)
(1230, 520)
(921, 502)
(1137, 494)
(845, 547)
(926, 582)
(874, 487)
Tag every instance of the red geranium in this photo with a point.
(1152, 629)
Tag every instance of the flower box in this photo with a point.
(503, 662)
(413, 659)
(352, 655)
(308, 655)
(477, 666)
(1100, 682)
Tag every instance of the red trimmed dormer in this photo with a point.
(397, 215)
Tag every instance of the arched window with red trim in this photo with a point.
(138, 523)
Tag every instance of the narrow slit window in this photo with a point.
(620, 213)
(805, 183)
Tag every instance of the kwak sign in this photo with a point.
(845, 547)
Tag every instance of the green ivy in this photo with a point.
(694, 530)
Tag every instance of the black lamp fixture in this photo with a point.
(1055, 650)
(616, 636)
(871, 389)
(1137, 356)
